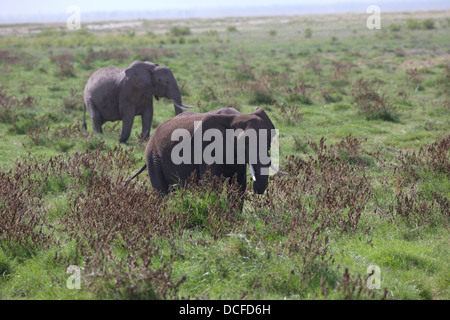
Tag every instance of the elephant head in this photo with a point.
(252, 144)
(154, 80)
(257, 153)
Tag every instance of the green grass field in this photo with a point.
(363, 117)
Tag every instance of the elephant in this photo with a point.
(114, 94)
(164, 171)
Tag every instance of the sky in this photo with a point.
(58, 6)
(39, 8)
(27, 7)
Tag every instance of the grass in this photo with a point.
(363, 134)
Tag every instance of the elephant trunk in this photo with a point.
(260, 181)
(176, 99)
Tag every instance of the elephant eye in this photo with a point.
(163, 82)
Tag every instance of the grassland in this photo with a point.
(363, 118)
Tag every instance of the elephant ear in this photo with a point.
(263, 115)
(140, 75)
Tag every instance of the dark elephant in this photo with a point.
(120, 94)
(163, 148)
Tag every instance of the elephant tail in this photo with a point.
(84, 117)
(138, 173)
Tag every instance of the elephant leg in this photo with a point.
(157, 178)
(147, 118)
(236, 173)
(97, 118)
(236, 197)
(127, 125)
(213, 172)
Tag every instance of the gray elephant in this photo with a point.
(120, 94)
(164, 170)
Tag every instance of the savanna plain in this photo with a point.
(363, 117)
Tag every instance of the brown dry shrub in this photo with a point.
(323, 195)
(333, 182)
(315, 65)
(104, 55)
(21, 208)
(414, 77)
(116, 221)
(8, 57)
(74, 101)
(432, 158)
(410, 203)
(116, 227)
(417, 212)
(39, 133)
(113, 224)
(413, 206)
(290, 113)
(260, 90)
(64, 63)
(153, 54)
(300, 93)
(372, 105)
(74, 131)
(211, 203)
(353, 288)
(244, 73)
(342, 69)
(22, 221)
(9, 105)
(112, 221)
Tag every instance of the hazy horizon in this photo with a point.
(53, 11)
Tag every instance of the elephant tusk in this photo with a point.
(277, 170)
(252, 171)
(182, 106)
